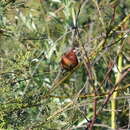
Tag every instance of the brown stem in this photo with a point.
(108, 97)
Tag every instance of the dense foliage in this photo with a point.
(36, 93)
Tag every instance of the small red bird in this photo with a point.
(69, 60)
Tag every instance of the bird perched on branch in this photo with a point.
(69, 60)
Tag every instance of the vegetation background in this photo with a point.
(35, 94)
